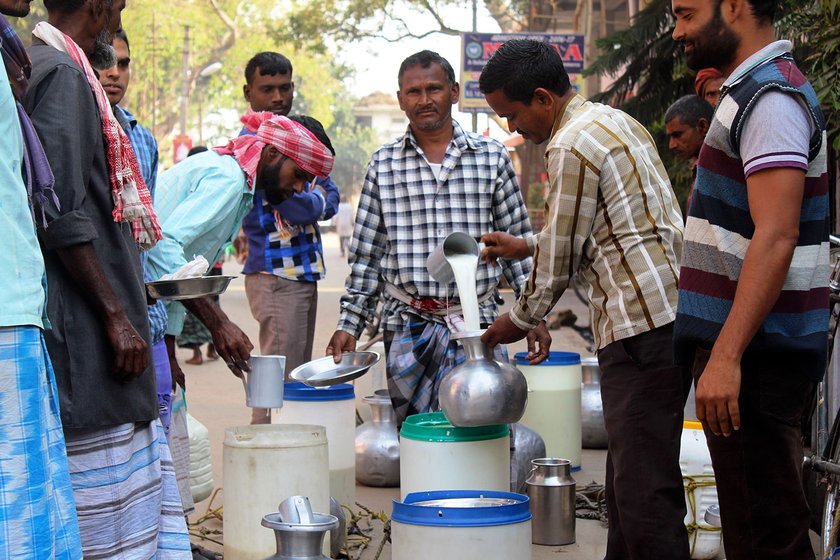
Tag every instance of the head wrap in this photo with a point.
(704, 76)
(291, 139)
(132, 201)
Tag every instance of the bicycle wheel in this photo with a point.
(830, 526)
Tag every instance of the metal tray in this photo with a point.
(324, 372)
(188, 288)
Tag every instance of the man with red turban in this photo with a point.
(707, 84)
(201, 201)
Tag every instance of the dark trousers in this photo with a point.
(758, 469)
(644, 394)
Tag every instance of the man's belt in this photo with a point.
(433, 306)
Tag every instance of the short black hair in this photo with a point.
(270, 63)
(196, 150)
(690, 109)
(764, 10)
(520, 66)
(63, 6)
(425, 59)
(315, 127)
(122, 36)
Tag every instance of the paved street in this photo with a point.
(216, 398)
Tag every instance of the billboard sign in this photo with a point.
(478, 48)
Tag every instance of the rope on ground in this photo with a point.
(197, 528)
(359, 531)
(591, 502)
(692, 482)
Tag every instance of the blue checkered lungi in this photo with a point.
(37, 509)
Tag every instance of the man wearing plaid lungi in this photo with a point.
(434, 180)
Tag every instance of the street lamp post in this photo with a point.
(203, 78)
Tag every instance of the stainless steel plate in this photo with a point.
(468, 502)
(188, 288)
(324, 372)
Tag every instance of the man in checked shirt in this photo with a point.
(614, 222)
(434, 180)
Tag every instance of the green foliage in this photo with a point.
(649, 65)
(651, 71)
(353, 147)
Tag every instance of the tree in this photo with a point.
(353, 147)
(650, 70)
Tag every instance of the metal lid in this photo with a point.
(554, 359)
(434, 427)
(303, 392)
(479, 501)
(324, 372)
(462, 508)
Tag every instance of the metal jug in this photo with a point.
(458, 243)
(264, 383)
(482, 391)
(551, 489)
(593, 432)
(378, 444)
(299, 532)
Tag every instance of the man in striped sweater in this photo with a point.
(753, 299)
(612, 221)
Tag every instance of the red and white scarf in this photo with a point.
(291, 139)
(132, 201)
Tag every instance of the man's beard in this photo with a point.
(715, 45)
(269, 181)
(103, 56)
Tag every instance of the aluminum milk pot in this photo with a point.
(482, 391)
(551, 489)
(593, 431)
(378, 444)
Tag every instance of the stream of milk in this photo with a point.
(464, 267)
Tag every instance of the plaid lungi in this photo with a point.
(126, 496)
(37, 511)
(417, 359)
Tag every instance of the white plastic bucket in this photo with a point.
(334, 408)
(264, 465)
(444, 532)
(700, 492)
(554, 410)
(434, 455)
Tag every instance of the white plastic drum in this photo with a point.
(700, 491)
(554, 410)
(264, 465)
(461, 525)
(201, 466)
(334, 408)
(434, 455)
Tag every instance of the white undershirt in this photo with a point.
(436, 169)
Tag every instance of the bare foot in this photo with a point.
(211, 352)
(196, 359)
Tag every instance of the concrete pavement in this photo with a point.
(216, 398)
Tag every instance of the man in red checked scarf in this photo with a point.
(201, 201)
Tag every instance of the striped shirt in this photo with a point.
(612, 219)
(405, 212)
(146, 148)
(753, 130)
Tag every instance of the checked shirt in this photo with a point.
(404, 213)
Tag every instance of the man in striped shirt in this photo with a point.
(753, 300)
(613, 221)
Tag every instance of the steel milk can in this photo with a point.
(551, 490)
(378, 444)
